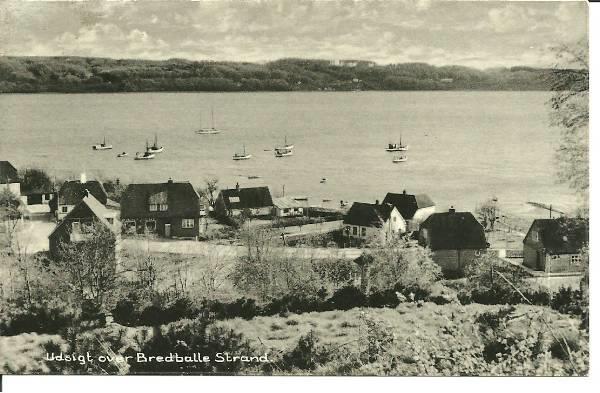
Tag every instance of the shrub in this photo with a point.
(347, 298)
(568, 301)
(41, 317)
(559, 350)
(387, 298)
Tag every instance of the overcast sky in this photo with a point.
(479, 34)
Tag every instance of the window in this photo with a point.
(163, 207)
(575, 259)
(534, 236)
(65, 209)
(363, 232)
(153, 207)
(394, 219)
(286, 210)
(354, 231)
(187, 223)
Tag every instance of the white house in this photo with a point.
(373, 221)
(287, 207)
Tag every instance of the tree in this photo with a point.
(488, 213)
(89, 267)
(209, 191)
(570, 114)
(34, 179)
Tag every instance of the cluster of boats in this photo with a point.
(396, 147)
(148, 154)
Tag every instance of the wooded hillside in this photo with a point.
(79, 74)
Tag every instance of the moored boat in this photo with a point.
(286, 146)
(397, 146)
(283, 152)
(242, 156)
(102, 146)
(124, 154)
(155, 148)
(147, 155)
(399, 159)
(209, 130)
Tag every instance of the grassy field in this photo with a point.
(407, 321)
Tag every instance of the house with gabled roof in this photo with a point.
(414, 208)
(368, 221)
(9, 178)
(287, 207)
(78, 225)
(170, 209)
(255, 201)
(73, 191)
(554, 245)
(454, 238)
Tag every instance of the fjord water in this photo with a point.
(464, 146)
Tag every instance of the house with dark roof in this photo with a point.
(554, 245)
(373, 221)
(73, 191)
(454, 238)
(256, 201)
(78, 225)
(414, 208)
(170, 209)
(9, 178)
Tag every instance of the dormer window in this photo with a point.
(163, 207)
(158, 202)
(153, 207)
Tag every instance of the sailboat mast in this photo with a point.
(212, 117)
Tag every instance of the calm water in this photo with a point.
(464, 146)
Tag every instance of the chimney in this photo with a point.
(451, 210)
(82, 178)
(237, 186)
(377, 201)
(404, 192)
(86, 193)
(170, 181)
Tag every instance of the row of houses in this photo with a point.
(174, 209)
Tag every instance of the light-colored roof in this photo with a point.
(96, 207)
(286, 203)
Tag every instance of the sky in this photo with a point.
(479, 34)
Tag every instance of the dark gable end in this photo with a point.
(454, 231)
(247, 198)
(560, 236)
(8, 173)
(368, 214)
(408, 204)
(183, 201)
(72, 191)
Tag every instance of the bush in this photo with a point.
(568, 301)
(559, 350)
(387, 298)
(42, 317)
(346, 298)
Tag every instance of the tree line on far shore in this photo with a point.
(90, 74)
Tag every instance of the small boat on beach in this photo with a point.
(324, 180)
(397, 146)
(252, 177)
(124, 154)
(102, 146)
(209, 130)
(242, 156)
(147, 155)
(399, 159)
(155, 148)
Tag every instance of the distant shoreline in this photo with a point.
(271, 92)
(28, 75)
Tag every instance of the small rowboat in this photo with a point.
(399, 159)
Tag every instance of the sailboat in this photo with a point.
(399, 159)
(155, 148)
(397, 146)
(147, 155)
(243, 156)
(285, 146)
(209, 130)
(102, 146)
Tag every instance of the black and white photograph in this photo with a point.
(294, 188)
